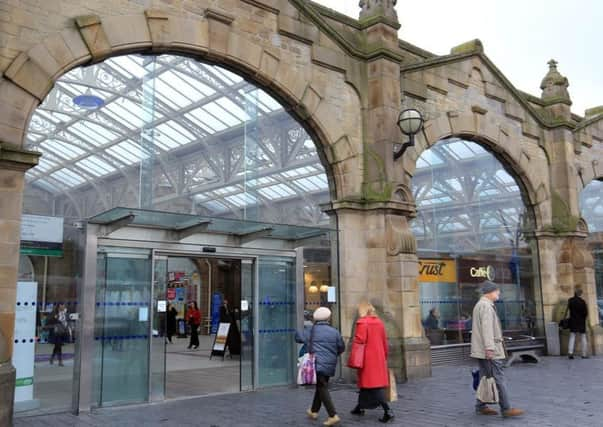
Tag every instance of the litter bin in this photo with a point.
(553, 346)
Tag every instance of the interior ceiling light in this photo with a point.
(313, 288)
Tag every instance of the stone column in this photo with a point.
(566, 264)
(378, 263)
(13, 164)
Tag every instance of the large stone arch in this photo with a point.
(518, 162)
(302, 89)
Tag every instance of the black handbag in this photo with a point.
(565, 322)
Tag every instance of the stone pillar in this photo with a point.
(378, 263)
(566, 264)
(13, 164)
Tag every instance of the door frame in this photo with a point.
(253, 259)
(94, 237)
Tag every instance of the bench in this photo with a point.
(525, 350)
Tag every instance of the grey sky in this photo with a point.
(519, 36)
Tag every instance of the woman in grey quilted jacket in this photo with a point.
(325, 342)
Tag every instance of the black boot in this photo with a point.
(387, 416)
(357, 411)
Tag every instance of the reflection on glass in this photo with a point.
(276, 321)
(591, 209)
(472, 226)
(47, 300)
(121, 365)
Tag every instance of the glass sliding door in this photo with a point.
(276, 321)
(122, 325)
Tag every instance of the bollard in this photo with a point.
(553, 346)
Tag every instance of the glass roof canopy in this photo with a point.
(198, 111)
(184, 222)
(465, 199)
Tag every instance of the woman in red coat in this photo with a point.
(373, 376)
(193, 315)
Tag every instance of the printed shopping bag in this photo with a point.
(306, 372)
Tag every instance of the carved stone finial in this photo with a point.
(554, 85)
(371, 8)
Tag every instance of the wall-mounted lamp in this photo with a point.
(410, 122)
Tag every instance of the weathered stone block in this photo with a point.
(297, 30)
(188, 34)
(269, 63)
(241, 50)
(94, 36)
(414, 88)
(29, 76)
(219, 30)
(329, 58)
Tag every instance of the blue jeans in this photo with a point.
(499, 376)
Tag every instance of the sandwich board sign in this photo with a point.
(220, 341)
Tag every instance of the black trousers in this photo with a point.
(322, 396)
(57, 350)
(194, 342)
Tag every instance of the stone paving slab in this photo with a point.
(556, 392)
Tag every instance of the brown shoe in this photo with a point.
(512, 412)
(487, 411)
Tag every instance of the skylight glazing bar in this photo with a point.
(147, 134)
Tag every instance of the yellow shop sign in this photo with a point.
(437, 270)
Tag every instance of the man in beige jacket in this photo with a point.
(488, 348)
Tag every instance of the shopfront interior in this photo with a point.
(472, 225)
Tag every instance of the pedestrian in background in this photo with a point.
(578, 312)
(193, 316)
(370, 341)
(171, 323)
(325, 343)
(488, 348)
(59, 332)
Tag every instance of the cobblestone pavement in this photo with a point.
(556, 392)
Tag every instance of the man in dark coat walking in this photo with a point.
(578, 312)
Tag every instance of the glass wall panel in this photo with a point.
(122, 325)
(591, 209)
(47, 314)
(472, 226)
(276, 321)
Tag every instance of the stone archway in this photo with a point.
(310, 90)
(516, 160)
(212, 39)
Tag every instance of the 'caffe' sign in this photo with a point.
(437, 270)
(486, 272)
(478, 271)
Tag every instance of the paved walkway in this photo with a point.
(557, 392)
